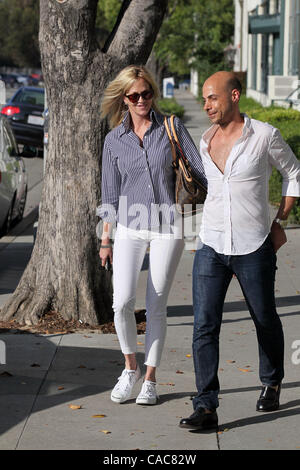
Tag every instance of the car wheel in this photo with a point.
(21, 206)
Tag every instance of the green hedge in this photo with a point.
(170, 106)
(287, 121)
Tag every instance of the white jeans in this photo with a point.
(130, 247)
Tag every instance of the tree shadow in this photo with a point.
(263, 418)
(40, 374)
(285, 410)
(233, 307)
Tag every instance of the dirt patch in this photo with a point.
(53, 323)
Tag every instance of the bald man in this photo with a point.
(238, 238)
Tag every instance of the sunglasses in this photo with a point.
(146, 95)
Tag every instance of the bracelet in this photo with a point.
(105, 246)
(278, 221)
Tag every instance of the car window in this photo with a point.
(30, 97)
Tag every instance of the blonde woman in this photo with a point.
(138, 194)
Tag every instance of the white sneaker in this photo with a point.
(148, 394)
(123, 389)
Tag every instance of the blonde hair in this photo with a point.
(112, 104)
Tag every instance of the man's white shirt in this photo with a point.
(236, 217)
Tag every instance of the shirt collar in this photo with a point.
(247, 129)
(156, 118)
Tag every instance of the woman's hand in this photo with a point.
(106, 255)
(106, 252)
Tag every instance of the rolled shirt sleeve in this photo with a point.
(284, 160)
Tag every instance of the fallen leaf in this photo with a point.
(244, 370)
(75, 407)
(60, 388)
(139, 342)
(105, 431)
(230, 362)
(99, 416)
(188, 355)
(81, 367)
(179, 372)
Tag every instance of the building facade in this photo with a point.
(267, 40)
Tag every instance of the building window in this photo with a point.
(266, 7)
(294, 39)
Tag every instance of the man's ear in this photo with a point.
(235, 94)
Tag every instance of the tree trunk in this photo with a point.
(64, 272)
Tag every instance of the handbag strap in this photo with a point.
(181, 160)
(173, 148)
(176, 138)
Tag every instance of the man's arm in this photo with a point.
(282, 157)
(278, 235)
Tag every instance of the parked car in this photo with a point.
(23, 80)
(25, 113)
(35, 79)
(13, 179)
(9, 79)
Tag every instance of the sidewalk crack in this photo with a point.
(37, 394)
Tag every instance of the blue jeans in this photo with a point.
(212, 273)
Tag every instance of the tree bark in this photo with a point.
(64, 272)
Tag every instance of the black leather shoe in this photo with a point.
(200, 420)
(269, 399)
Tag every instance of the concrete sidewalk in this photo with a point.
(45, 374)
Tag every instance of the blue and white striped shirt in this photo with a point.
(138, 182)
